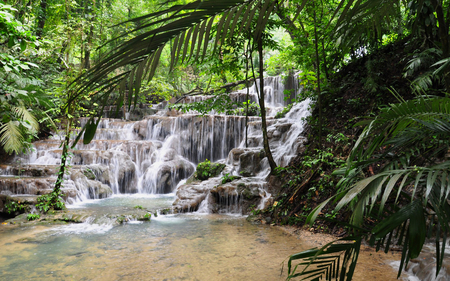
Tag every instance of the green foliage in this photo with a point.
(241, 110)
(51, 201)
(138, 207)
(227, 178)
(282, 113)
(146, 217)
(12, 207)
(22, 96)
(206, 169)
(219, 102)
(284, 60)
(32, 217)
(408, 190)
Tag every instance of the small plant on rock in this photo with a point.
(51, 201)
(206, 169)
(32, 217)
(227, 178)
(12, 207)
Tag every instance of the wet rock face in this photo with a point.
(90, 188)
(29, 185)
(214, 195)
(190, 196)
(33, 187)
(163, 177)
(236, 197)
(247, 162)
(424, 267)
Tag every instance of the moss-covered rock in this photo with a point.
(206, 170)
(89, 174)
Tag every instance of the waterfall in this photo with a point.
(154, 154)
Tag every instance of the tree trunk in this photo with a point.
(42, 17)
(64, 155)
(272, 163)
(247, 101)
(319, 102)
(87, 48)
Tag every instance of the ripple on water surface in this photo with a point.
(172, 247)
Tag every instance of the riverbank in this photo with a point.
(372, 265)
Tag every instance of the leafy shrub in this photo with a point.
(282, 113)
(12, 207)
(32, 217)
(206, 169)
(227, 178)
(50, 201)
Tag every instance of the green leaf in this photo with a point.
(91, 128)
(23, 45)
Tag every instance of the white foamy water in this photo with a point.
(81, 228)
(153, 155)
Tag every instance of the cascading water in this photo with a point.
(153, 155)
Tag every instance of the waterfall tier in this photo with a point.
(154, 154)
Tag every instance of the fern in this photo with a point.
(11, 137)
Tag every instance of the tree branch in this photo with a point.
(197, 91)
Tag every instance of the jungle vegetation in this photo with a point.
(61, 60)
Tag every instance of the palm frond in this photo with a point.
(189, 27)
(365, 21)
(26, 116)
(406, 142)
(336, 260)
(11, 137)
(394, 120)
(186, 25)
(422, 60)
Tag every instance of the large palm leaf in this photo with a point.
(405, 142)
(21, 123)
(189, 28)
(362, 23)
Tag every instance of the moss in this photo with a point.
(145, 217)
(247, 193)
(165, 211)
(89, 174)
(245, 173)
(206, 170)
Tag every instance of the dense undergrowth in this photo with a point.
(358, 90)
